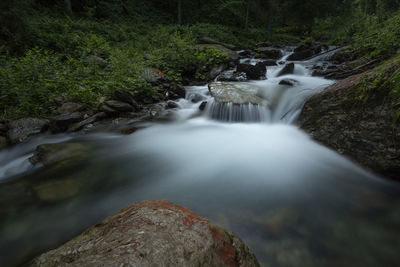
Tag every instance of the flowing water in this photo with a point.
(247, 168)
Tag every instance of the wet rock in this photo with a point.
(70, 107)
(195, 98)
(232, 77)
(289, 82)
(232, 55)
(119, 106)
(62, 122)
(152, 233)
(267, 63)
(126, 97)
(269, 52)
(236, 93)
(172, 104)
(203, 105)
(3, 142)
(288, 69)
(301, 55)
(61, 153)
(246, 53)
(78, 126)
(215, 72)
(21, 129)
(362, 131)
(208, 40)
(253, 72)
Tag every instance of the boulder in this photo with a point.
(288, 69)
(126, 97)
(195, 98)
(269, 52)
(70, 107)
(253, 72)
(364, 130)
(21, 129)
(61, 123)
(246, 53)
(288, 82)
(108, 110)
(152, 233)
(301, 55)
(236, 93)
(267, 63)
(119, 106)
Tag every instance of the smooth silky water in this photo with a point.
(247, 168)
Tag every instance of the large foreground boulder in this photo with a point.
(152, 233)
(356, 117)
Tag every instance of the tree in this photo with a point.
(180, 12)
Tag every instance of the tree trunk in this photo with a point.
(68, 5)
(258, 9)
(247, 15)
(270, 19)
(180, 12)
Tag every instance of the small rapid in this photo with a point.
(245, 167)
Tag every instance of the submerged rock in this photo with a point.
(236, 93)
(152, 233)
(288, 82)
(21, 129)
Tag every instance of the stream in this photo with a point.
(247, 168)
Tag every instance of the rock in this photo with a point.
(126, 97)
(64, 153)
(203, 105)
(288, 69)
(108, 110)
(152, 233)
(269, 52)
(195, 98)
(246, 53)
(301, 55)
(176, 91)
(231, 76)
(208, 40)
(363, 131)
(62, 122)
(232, 55)
(21, 129)
(215, 72)
(172, 104)
(119, 106)
(70, 107)
(3, 142)
(256, 72)
(289, 82)
(236, 93)
(267, 63)
(78, 126)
